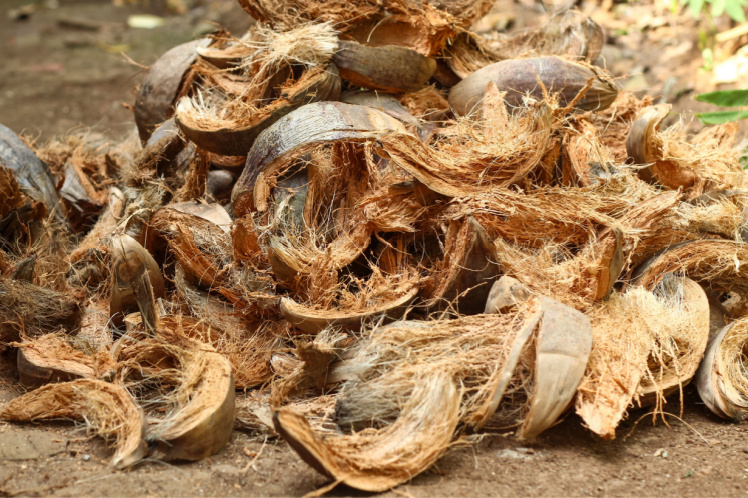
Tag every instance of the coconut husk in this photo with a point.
(53, 358)
(30, 175)
(33, 310)
(721, 379)
(462, 280)
(323, 122)
(200, 420)
(644, 343)
(578, 85)
(230, 128)
(165, 80)
(696, 165)
(378, 460)
(248, 344)
(568, 34)
(107, 409)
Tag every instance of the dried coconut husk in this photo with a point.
(721, 379)
(568, 34)
(53, 358)
(614, 123)
(378, 460)
(107, 409)
(164, 82)
(284, 15)
(248, 344)
(491, 356)
(136, 281)
(644, 343)
(462, 280)
(33, 310)
(583, 148)
(578, 85)
(701, 163)
(298, 133)
(17, 211)
(231, 127)
(378, 298)
(717, 262)
(200, 421)
(388, 68)
(32, 176)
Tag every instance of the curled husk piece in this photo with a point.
(587, 87)
(312, 320)
(106, 408)
(52, 358)
(21, 169)
(232, 134)
(645, 345)
(202, 416)
(388, 68)
(722, 380)
(379, 460)
(697, 164)
(158, 92)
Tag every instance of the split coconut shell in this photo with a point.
(587, 87)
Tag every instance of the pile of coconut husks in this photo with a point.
(365, 230)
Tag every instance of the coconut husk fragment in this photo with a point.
(232, 135)
(644, 343)
(721, 378)
(697, 164)
(376, 461)
(52, 358)
(32, 176)
(107, 409)
(157, 94)
(201, 418)
(33, 310)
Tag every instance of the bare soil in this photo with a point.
(56, 79)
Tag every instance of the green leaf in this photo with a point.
(696, 6)
(725, 98)
(735, 10)
(713, 118)
(718, 7)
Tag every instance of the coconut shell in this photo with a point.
(313, 86)
(31, 174)
(387, 68)
(384, 102)
(521, 77)
(298, 132)
(155, 100)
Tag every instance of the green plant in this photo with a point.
(724, 98)
(733, 8)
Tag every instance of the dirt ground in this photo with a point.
(60, 74)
